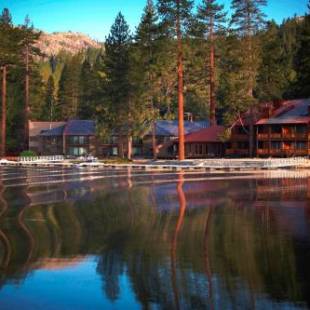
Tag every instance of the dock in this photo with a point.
(210, 165)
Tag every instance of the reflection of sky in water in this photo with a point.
(117, 239)
(50, 289)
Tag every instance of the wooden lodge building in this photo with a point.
(286, 132)
(280, 129)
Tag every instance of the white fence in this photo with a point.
(41, 158)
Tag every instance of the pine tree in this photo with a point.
(303, 59)
(272, 78)
(212, 18)
(148, 45)
(176, 17)
(9, 52)
(88, 91)
(49, 111)
(247, 19)
(118, 85)
(29, 52)
(69, 88)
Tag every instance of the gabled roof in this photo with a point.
(35, 128)
(57, 131)
(170, 128)
(80, 128)
(211, 134)
(291, 112)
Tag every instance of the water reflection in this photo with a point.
(175, 241)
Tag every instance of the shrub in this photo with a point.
(28, 154)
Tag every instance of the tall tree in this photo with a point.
(247, 19)
(69, 88)
(303, 59)
(49, 111)
(272, 79)
(29, 52)
(176, 17)
(9, 51)
(148, 46)
(118, 85)
(212, 18)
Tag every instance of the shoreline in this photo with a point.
(209, 165)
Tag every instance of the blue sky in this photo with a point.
(95, 17)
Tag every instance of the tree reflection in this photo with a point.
(232, 251)
(182, 209)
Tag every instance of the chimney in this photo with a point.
(277, 103)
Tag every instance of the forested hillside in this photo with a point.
(229, 64)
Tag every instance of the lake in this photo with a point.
(129, 239)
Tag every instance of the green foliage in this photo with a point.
(27, 154)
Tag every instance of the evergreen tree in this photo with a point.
(29, 52)
(247, 19)
(303, 59)
(272, 78)
(9, 52)
(69, 88)
(49, 111)
(117, 68)
(212, 19)
(148, 45)
(176, 18)
(88, 91)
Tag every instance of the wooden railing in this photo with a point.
(283, 152)
(41, 158)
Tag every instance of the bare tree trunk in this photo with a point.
(129, 148)
(180, 85)
(174, 241)
(212, 78)
(27, 83)
(154, 144)
(3, 118)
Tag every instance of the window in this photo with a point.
(114, 151)
(78, 140)
(276, 145)
(77, 151)
(243, 145)
(301, 145)
(276, 129)
(136, 151)
(301, 129)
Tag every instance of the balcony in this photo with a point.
(282, 152)
(263, 136)
(237, 152)
(239, 137)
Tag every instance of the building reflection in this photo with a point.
(208, 244)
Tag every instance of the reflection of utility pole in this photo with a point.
(3, 116)
(207, 257)
(3, 237)
(182, 209)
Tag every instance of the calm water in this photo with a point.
(122, 239)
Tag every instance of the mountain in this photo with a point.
(70, 42)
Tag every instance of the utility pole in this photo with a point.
(3, 114)
(180, 85)
(212, 76)
(26, 111)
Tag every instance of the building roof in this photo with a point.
(57, 131)
(170, 128)
(80, 128)
(290, 112)
(211, 134)
(36, 128)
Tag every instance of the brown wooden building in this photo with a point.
(74, 138)
(205, 143)
(286, 132)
